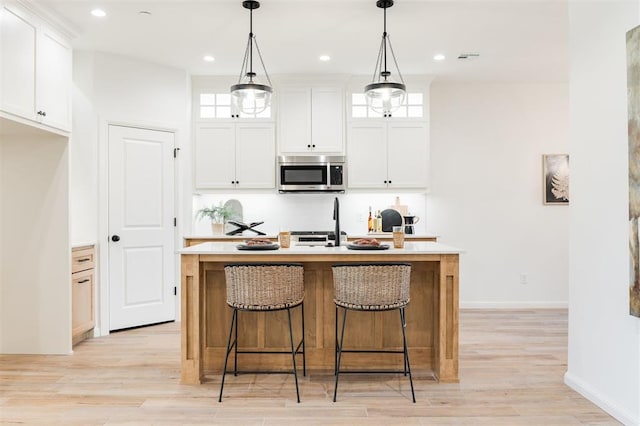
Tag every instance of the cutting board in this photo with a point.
(403, 209)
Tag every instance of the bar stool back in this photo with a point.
(264, 287)
(371, 287)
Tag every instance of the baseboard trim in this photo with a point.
(514, 305)
(605, 404)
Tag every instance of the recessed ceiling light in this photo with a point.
(438, 57)
(98, 13)
(208, 58)
(325, 58)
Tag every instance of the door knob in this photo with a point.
(115, 238)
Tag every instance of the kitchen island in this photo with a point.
(432, 315)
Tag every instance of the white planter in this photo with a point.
(217, 228)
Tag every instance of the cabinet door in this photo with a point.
(53, 80)
(327, 120)
(82, 312)
(214, 156)
(17, 63)
(255, 155)
(408, 154)
(294, 120)
(366, 155)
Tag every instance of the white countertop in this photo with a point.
(229, 237)
(352, 236)
(390, 235)
(82, 244)
(226, 248)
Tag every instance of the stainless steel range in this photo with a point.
(316, 238)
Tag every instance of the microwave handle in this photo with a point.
(328, 175)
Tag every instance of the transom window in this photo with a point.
(218, 105)
(413, 107)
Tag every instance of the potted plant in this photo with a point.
(218, 215)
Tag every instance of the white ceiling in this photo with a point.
(518, 40)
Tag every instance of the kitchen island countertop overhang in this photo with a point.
(432, 316)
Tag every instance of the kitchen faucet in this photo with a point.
(336, 217)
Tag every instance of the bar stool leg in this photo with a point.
(335, 355)
(406, 351)
(304, 349)
(293, 354)
(235, 356)
(226, 358)
(339, 347)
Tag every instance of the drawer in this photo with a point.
(82, 313)
(82, 258)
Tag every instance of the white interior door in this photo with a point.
(141, 221)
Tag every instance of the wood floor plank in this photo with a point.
(511, 373)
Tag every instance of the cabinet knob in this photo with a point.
(115, 238)
(385, 181)
(389, 181)
(313, 146)
(308, 146)
(42, 113)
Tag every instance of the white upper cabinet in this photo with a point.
(234, 155)
(53, 80)
(407, 154)
(388, 154)
(18, 63)
(367, 155)
(310, 120)
(35, 70)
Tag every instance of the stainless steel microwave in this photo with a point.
(311, 173)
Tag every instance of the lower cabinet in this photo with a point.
(82, 292)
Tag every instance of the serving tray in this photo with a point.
(273, 246)
(367, 247)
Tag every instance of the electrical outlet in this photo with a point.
(524, 279)
(361, 217)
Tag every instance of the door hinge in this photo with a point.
(175, 152)
(175, 222)
(175, 291)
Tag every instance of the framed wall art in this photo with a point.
(555, 172)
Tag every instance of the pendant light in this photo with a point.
(248, 96)
(383, 95)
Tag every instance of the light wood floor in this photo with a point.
(511, 369)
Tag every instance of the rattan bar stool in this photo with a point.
(264, 287)
(371, 287)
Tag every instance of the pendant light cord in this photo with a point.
(250, 45)
(248, 56)
(384, 41)
(382, 56)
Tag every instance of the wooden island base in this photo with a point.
(432, 318)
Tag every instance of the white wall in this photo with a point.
(604, 340)
(487, 142)
(310, 212)
(113, 89)
(35, 310)
(83, 153)
(117, 89)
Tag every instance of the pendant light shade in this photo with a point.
(249, 96)
(384, 95)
